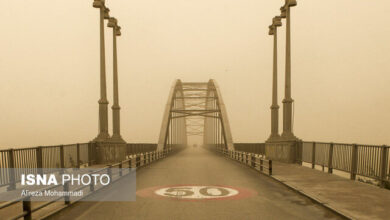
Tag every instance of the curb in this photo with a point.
(307, 195)
(62, 207)
(314, 199)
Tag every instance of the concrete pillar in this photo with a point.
(288, 101)
(276, 22)
(106, 151)
(103, 102)
(116, 136)
(287, 148)
(275, 106)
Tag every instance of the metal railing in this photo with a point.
(135, 161)
(30, 159)
(52, 157)
(135, 148)
(255, 161)
(256, 148)
(370, 161)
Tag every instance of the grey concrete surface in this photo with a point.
(193, 166)
(351, 198)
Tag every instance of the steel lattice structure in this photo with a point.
(195, 109)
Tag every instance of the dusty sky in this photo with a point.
(49, 67)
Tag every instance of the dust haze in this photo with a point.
(49, 67)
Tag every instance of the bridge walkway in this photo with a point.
(352, 199)
(267, 198)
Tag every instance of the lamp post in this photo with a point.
(116, 136)
(276, 22)
(288, 101)
(103, 102)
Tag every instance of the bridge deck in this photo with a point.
(351, 198)
(197, 166)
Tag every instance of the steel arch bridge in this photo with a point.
(195, 109)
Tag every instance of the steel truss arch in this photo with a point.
(195, 108)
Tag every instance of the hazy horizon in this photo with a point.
(50, 67)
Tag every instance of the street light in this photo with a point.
(288, 101)
(112, 22)
(271, 30)
(276, 22)
(116, 136)
(283, 12)
(118, 31)
(98, 3)
(103, 102)
(106, 13)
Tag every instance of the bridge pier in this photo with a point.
(283, 151)
(109, 152)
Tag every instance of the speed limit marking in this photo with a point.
(196, 192)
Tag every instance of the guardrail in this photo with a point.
(59, 156)
(255, 161)
(135, 161)
(256, 148)
(370, 161)
(135, 148)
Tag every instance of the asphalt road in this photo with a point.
(259, 197)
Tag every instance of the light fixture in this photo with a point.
(112, 22)
(118, 31)
(277, 21)
(271, 30)
(284, 12)
(98, 3)
(106, 13)
(291, 3)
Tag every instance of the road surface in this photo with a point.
(259, 197)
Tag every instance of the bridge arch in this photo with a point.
(195, 109)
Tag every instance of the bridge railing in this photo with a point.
(48, 157)
(134, 161)
(135, 148)
(255, 161)
(53, 157)
(370, 161)
(256, 148)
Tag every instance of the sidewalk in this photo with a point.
(352, 199)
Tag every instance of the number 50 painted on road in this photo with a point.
(196, 192)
